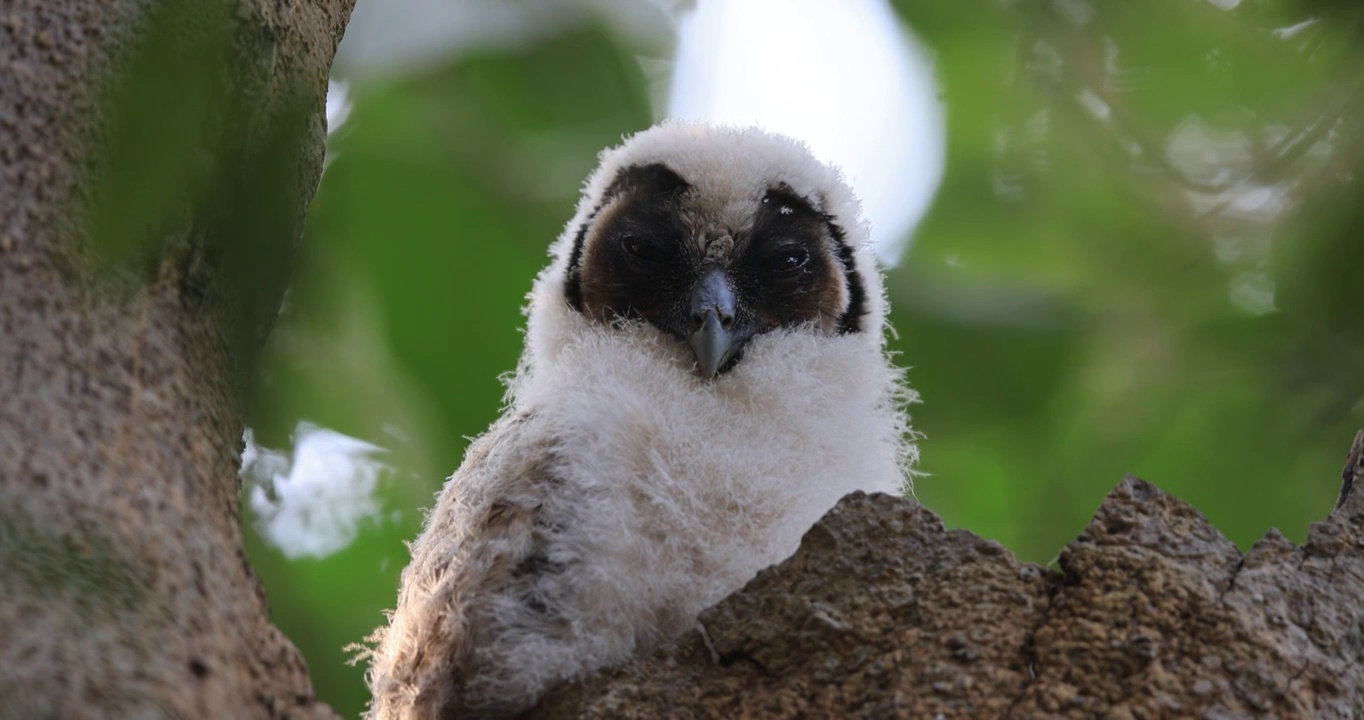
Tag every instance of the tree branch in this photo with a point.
(156, 162)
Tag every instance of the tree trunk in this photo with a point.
(156, 162)
(883, 613)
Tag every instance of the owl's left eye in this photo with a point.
(792, 259)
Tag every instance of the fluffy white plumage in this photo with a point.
(620, 494)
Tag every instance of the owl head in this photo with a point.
(713, 236)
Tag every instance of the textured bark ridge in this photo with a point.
(884, 613)
(181, 142)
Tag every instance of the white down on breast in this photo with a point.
(676, 491)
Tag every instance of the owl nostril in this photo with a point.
(698, 317)
(712, 295)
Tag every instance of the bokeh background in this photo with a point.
(1126, 237)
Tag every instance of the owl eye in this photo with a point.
(792, 259)
(634, 246)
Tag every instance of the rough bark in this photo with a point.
(193, 133)
(1154, 613)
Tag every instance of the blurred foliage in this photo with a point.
(1144, 257)
(190, 124)
(163, 109)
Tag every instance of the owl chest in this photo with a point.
(683, 475)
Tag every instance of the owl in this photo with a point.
(704, 376)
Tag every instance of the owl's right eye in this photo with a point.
(636, 248)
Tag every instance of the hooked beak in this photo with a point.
(712, 338)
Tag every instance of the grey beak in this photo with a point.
(712, 315)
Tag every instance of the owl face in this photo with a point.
(713, 262)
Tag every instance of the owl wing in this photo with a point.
(473, 569)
